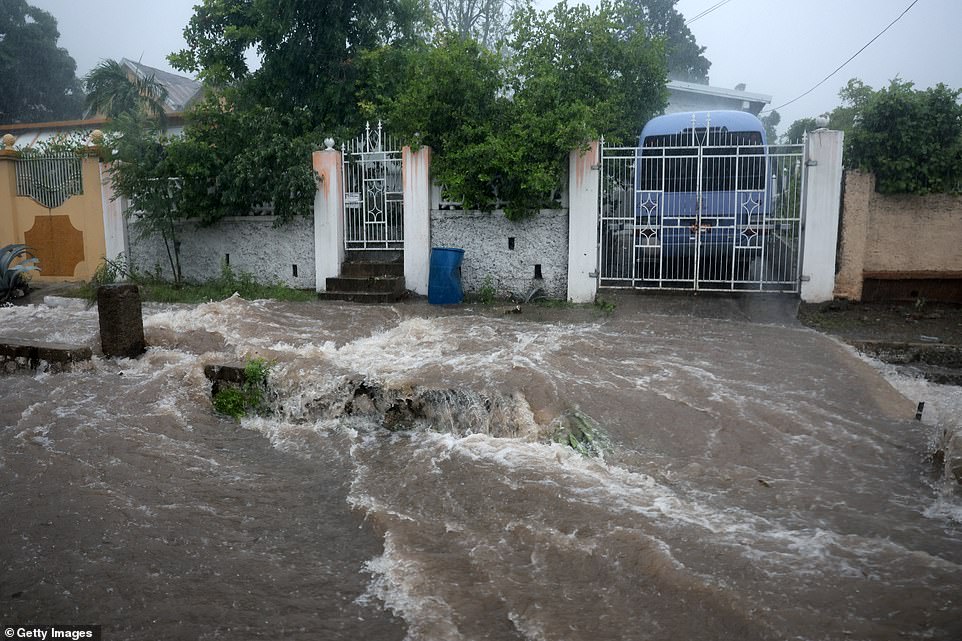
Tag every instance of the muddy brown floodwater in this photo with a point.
(758, 480)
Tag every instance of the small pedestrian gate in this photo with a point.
(701, 210)
(373, 192)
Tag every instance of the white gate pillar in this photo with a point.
(116, 241)
(328, 217)
(823, 198)
(583, 224)
(416, 167)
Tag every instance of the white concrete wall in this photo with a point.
(582, 230)
(254, 244)
(484, 236)
(823, 197)
(417, 218)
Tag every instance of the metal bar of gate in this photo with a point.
(655, 200)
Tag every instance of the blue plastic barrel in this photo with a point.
(444, 281)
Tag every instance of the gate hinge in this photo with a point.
(811, 163)
(806, 278)
(593, 274)
(595, 167)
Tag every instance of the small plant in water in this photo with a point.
(487, 292)
(605, 306)
(250, 397)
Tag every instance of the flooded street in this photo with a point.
(758, 480)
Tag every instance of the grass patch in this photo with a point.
(250, 397)
(155, 289)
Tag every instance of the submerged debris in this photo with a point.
(579, 432)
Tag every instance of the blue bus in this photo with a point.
(701, 196)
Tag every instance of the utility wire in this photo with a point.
(839, 68)
(717, 5)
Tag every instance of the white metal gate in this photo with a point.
(702, 210)
(373, 192)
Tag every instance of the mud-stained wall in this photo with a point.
(896, 237)
(249, 244)
(510, 253)
(68, 239)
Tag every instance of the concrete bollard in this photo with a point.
(121, 320)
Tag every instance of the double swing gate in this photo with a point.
(705, 210)
(373, 192)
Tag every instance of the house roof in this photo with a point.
(181, 91)
(718, 92)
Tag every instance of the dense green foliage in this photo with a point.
(307, 50)
(39, 78)
(231, 161)
(501, 125)
(501, 122)
(910, 139)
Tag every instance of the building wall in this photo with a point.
(894, 237)
(484, 236)
(69, 239)
(683, 101)
(253, 243)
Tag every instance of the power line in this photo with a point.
(841, 66)
(717, 5)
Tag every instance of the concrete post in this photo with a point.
(115, 224)
(416, 167)
(823, 193)
(583, 224)
(328, 217)
(121, 321)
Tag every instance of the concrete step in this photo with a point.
(370, 284)
(367, 269)
(362, 297)
(374, 256)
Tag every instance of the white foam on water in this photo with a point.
(403, 587)
(942, 411)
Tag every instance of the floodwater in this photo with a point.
(758, 481)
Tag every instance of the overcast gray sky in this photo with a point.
(776, 47)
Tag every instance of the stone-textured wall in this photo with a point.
(253, 243)
(896, 236)
(484, 237)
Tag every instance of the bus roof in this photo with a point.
(678, 122)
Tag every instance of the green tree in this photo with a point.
(482, 20)
(501, 126)
(854, 96)
(659, 19)
(308, 50)
(144, 172)
(770, 121)
(797, 130)
(39, 78)
(112, 92)
(911, 139)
